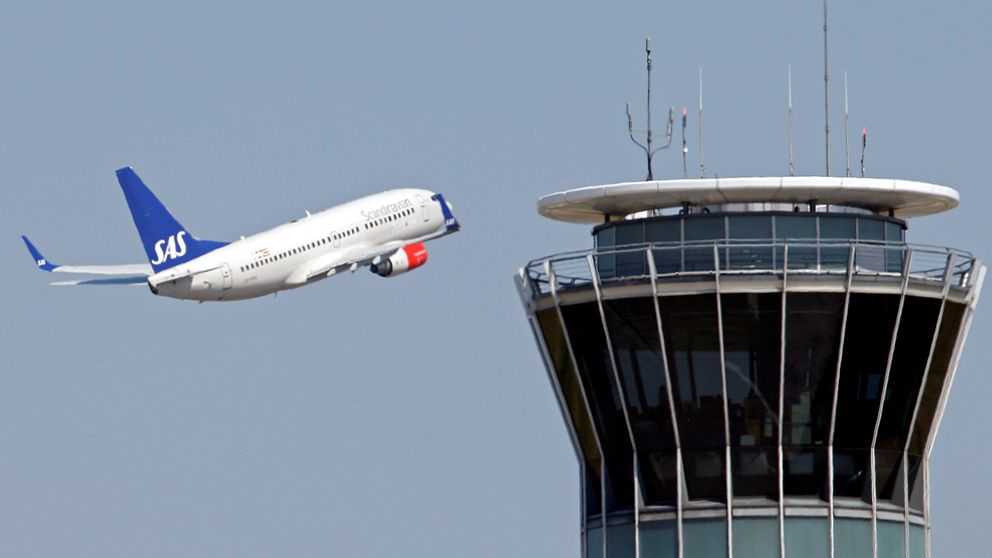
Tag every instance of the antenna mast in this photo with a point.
(630, 119)
(685, 148)
(847, 147)
(702, 165)
(864, 146)
(826, 90)
(792, 163)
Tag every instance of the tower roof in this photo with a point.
(592, 204)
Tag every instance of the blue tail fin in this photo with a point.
(166, 242)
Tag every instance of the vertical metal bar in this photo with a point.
(973, 295)
(926, 506)
(584, 539)
(570, 426)
(726, 241)
(553, 285)
(948, 271)
(556, 386)
(671, 403)
(526, 298)
(833, 409)
(726, 410)
(775, 243)
(602, 496)
(781, 404)
(905, 506)
(818, 249)
(638, 501)
(826, 90)
(907, 263)
(623, 401)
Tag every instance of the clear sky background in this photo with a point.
(409, 416)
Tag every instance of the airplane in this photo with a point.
(385, 232)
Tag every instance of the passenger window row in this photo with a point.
(322, 241)
(293, 251)
(345, 234)
(388, 218)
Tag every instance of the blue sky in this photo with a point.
(410, 416)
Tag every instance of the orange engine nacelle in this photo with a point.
(402, 260)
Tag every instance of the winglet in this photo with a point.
(450, 223)
(38, 258)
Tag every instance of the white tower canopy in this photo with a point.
(594, 204)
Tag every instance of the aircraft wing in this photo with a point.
(126, 274)
(359, 256)
(351, 260)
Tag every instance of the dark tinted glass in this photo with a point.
(812, 341)
(748, 254)
(667, 259)
(693, 351)
(871, 229)
(668, 230)
(836, 230)
(794, 229)
(704, 228)
(805, 471)
(751, 334)
(554, 340)
(605, 241)
(801, 226)
(634, 332)
(870, 323)
(700, 229)
(871, 256)
(894, 232)
(585, 331)
(605, 237)
(630, 262)
(913, 342)
(750, 226)
(629, 232)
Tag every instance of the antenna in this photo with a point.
(847, 147)
(792, 162)
(826, 90)
(630, 119)
(702, 165)
(864, 146)
(685, 149)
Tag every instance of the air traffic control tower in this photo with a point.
(752, 367)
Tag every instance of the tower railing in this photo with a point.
(708, 260)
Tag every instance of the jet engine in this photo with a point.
(402, 260)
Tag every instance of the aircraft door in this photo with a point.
(225, 271)
(335, 239)
(423, 208)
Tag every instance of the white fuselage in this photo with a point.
(305, 250)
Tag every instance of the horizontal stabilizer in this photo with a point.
(124, 274)
(123, 280)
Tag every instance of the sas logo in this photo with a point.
(175, 248)
(42, 262)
